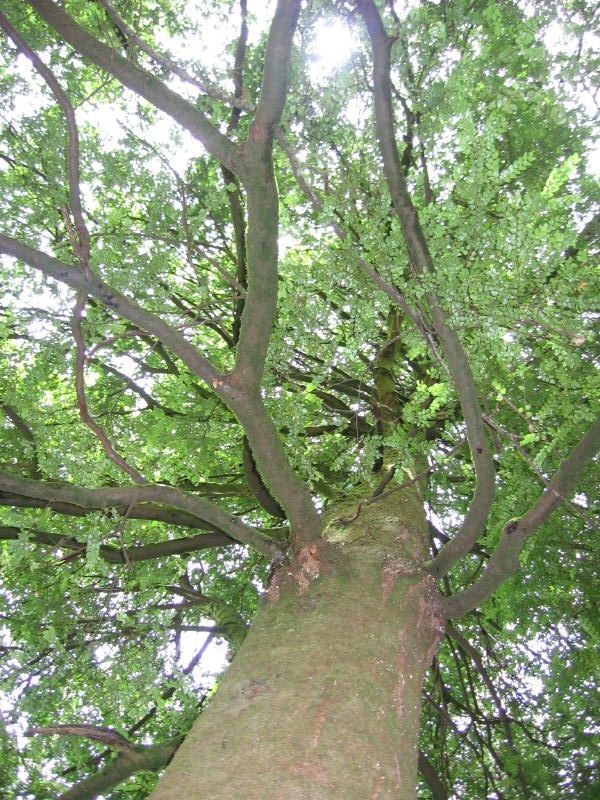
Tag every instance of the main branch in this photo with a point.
(126, 496)
(422, 262)
(263, 203)
(252, 162)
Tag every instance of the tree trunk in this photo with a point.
(324, 698)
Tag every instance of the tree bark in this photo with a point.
(324, 698)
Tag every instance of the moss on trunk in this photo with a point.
(324, 698)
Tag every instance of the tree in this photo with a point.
(320, 337)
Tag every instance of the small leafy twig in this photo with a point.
(78, 234)
(512, 437)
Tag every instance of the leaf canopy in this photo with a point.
(108, 601)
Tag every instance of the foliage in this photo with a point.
(103, 624)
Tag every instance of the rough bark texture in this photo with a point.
(324, 698)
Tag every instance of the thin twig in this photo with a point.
(169, 64)
(416, 316)
(514, 439)
(81, 399)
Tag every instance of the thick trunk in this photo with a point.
(324, 698)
